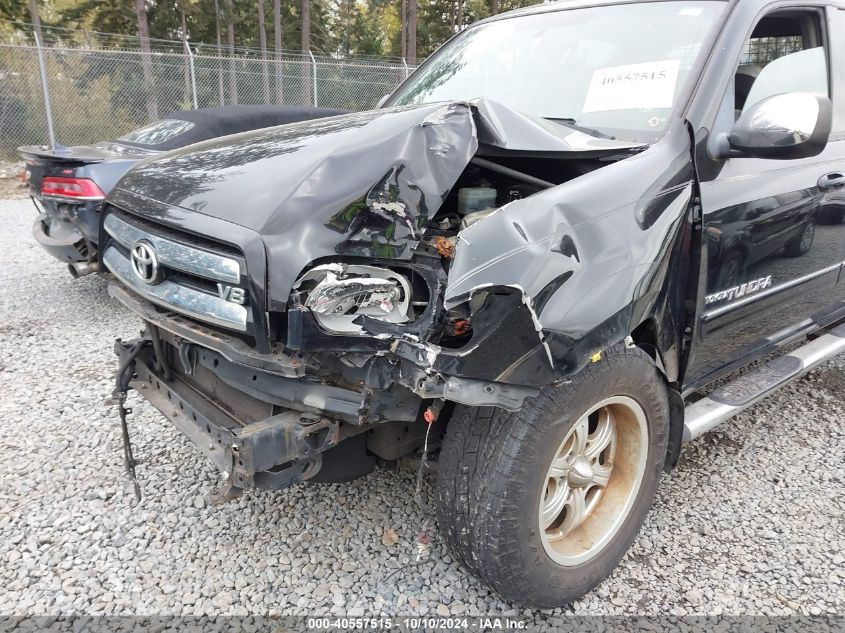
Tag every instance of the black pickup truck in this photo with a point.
(580, 235)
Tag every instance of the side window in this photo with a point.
(760, 51)
(786, 53)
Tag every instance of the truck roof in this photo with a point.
(566, 5)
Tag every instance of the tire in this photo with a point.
(801, 244)
(494, 472)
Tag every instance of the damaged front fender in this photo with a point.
(591, 258)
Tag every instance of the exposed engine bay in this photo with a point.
(338, 294)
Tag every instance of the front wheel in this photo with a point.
(543, 503)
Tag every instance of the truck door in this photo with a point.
(771, 257)
(832, 214)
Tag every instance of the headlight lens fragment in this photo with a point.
(338, 294)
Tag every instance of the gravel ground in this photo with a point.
(751, 522)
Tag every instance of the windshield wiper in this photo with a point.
(570, 122)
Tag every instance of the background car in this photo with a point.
(68, 184)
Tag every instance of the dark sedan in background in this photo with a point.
(68, 184)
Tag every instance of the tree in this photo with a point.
(146, 58)
(186, 94)
(219, 51)
(371, 30)
(262, 38)
(15, 11)
(330, 27)
(36, 20)
(230, 42)
(277, 47)
(412, 32)
(307, 88)
(403, 37)
(306, 26)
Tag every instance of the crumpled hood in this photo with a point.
(321, 167)
(362, 184)
(274, 179)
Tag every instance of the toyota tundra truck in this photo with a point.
(577, 237)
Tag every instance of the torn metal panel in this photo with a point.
(473, 392)
(505, 347)
(502, 127)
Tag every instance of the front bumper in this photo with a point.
(270, 453)
(290, 380)
(391, 388)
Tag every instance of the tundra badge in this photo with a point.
(737, 292)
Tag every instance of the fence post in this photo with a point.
(220, 86)
(314, 77)
(193, 73)
(48, 109)
(405, 64)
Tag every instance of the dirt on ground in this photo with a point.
(10, 179)
(11, 188)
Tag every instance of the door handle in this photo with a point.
(829, 182)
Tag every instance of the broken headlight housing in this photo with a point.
(337, 294)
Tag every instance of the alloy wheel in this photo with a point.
(593, 480)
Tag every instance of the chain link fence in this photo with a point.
(763, 50)
(100, 94)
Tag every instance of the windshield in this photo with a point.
(618, 69)
(158, 132)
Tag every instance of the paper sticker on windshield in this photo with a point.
(633, 87)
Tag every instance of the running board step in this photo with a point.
(750, 388)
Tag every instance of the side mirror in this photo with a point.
(794, 125)
(382, 101)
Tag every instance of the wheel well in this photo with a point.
(646, 338)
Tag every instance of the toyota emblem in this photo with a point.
(145, 262)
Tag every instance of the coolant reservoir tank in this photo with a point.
(472, 199)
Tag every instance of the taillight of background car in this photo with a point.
(79, 188)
